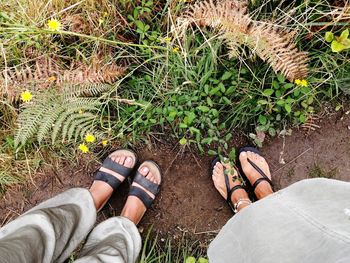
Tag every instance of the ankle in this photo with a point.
(239, 195)
(131, 214)
(263, 190)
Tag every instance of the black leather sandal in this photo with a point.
(111, 165)
(257, 168)
(146, 184)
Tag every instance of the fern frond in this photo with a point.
(271, 43)
(46, 73)
(85, 90)
(52, 111)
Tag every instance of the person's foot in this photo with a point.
(102, 191)
(263, 189)
(219, 182)
(134, 209)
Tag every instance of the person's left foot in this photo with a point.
(219, 182)
(134, 208)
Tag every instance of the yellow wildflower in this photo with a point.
(54, 24)
(83, 148)
(51, 79)
(81, 111)
(176, 49)
(301, 82)
(90, 137)
(104, 142)
(26, 96)
(304, 83)
(167, 39)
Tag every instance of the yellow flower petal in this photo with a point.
(90, 137)
(54, 24)
(304, 83)
(51, 79)
(83, 148)
(104, 142)
(301, 82)
(26, 96)
(297, 81)
(167, 39)
(176, 49)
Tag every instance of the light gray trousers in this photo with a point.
(308, 221)
(51, 231)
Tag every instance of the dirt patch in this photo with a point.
(188, 202)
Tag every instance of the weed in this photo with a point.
(318, 172)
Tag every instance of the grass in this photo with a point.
(316, 171)
(165, 251)
(182, 87)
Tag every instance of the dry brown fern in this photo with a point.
(311, 123)
(270, 42)
(46, 72)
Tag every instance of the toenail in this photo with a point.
(128, 160)
(145, 169)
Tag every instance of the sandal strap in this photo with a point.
(230, 192)
(110, 179)
(109, 164)
(113, 181)
(147, 184)
(258, 181)
(142, 195)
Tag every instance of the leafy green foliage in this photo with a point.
(340, 43)
(63, 114)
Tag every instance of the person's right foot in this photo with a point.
(263, 189)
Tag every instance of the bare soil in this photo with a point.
(188, 203)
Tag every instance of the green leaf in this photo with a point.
(262, 119)
(183, 141)
(344, 35)
(281, 78)
(288, 85)
(203, 260)
(210, 102)
(183, 125)
(280, 102)
(262, 102)
(226, 75)
(337, 46)
(275, 84)
(140, 25)
(302, 118)
(288, 108)
(190, 260)
(207, 140)
(268, 92)
(203, 108)
(211, 152)
(329, 36)
(232, 154)
(272, 132)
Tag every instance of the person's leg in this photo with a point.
(305, 222)
(52, 230)
(117, 239)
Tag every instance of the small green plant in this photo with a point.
(316, 171)
(338, 43)
(194, 260)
